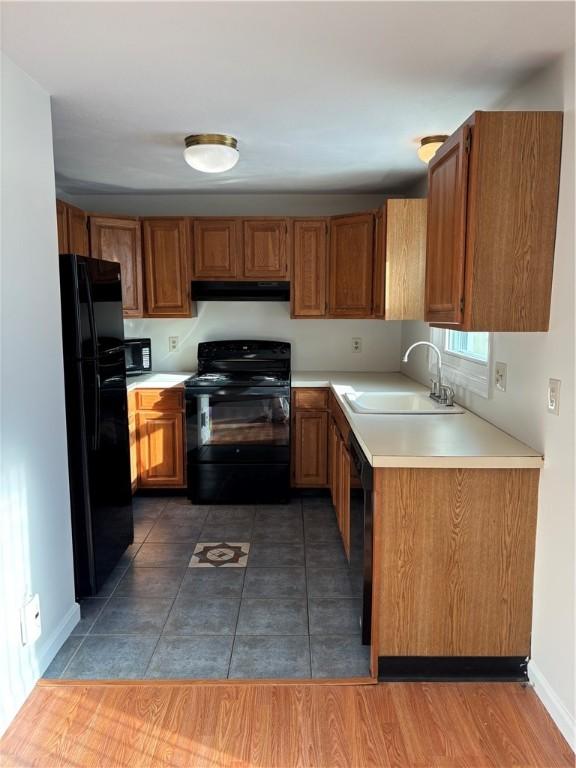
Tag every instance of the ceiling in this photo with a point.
(323, 96)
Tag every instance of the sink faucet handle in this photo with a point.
(447, 395)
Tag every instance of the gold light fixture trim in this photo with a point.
(221, 139)
(429, 145)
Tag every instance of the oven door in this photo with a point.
(238, 443)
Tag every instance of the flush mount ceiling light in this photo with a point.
(429, 145)
(211, 152)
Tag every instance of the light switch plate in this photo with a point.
(500, 376)
(554, 396)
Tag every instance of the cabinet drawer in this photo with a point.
(159, 399)
(312, 399)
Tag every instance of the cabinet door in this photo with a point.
(119, 240)
(379, 283)
(62, 223)
(265, 251)
(216, 248)
(405, 248)
(351, 265)
(310, 449)
(309, 264)
(160, 449)
(133, 436)
(446, 230)
(166, 268)
(78, 231)
(334, 454)
(344, 497)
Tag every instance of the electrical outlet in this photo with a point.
(172, 343)
(357, 345)
(30, 623)
(554, 396)
(500, 376)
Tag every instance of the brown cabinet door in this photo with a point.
(351, 265)
(216, 248)
(309, 264)
(119, 240)
(133, 439)
(379, 282)
(265, 251)
(405, 249)
(77, 231)
(310, 449)
(344, 497)
(446, 230)
(166, 268)
(334, 456)
(62, 223)
(160, 449)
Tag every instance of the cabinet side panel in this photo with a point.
(456, 552)
(512, 210)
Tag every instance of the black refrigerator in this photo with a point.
(96, 418)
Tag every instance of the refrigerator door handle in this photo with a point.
(95, 367)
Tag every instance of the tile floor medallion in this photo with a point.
(227, 591)
(220, 555)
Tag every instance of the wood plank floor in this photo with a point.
(280, 726)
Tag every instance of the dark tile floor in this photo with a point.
(290, 612)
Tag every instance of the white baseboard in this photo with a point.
(558, 712)
(60, 634)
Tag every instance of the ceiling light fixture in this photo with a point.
(211, 152)
(429, 145)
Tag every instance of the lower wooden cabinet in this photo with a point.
(160, 449)
(310, 449)
(157, 438)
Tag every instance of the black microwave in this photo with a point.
(138, 354)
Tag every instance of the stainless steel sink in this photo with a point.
(413, 403)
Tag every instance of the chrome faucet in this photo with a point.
(441, 393)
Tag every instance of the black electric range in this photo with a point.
(238, 423)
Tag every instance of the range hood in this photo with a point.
(240, 290)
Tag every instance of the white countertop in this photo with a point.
(156, 381)
(418, 440)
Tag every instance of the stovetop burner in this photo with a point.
(237, 379)
(242, 363)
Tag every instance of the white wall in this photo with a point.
(316, 344)
(35, 542)
(224, 205)
(533, 358)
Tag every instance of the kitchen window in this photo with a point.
(466, 359)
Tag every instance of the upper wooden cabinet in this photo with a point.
(72, 229)
(78, 231)
(309, 267)
(446, 236)
(217, 248)
(492, 205)
(403, 247)
(351, 265)
(118, 239)
(166, 266)
(62, 224)
(265, 249)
